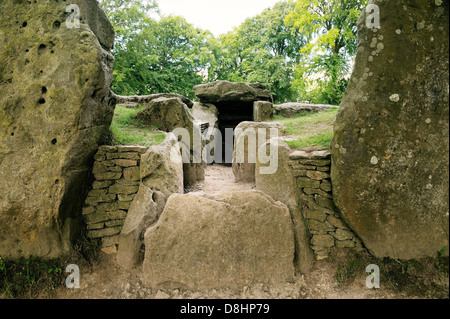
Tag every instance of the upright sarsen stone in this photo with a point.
(391, 147)
(54, 113)
(161, 175)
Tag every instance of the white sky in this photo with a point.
(217, 16)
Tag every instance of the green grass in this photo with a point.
(27, 278)
(126, 130)
(313, 131)
(413, 277)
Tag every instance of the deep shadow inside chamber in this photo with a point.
(231, 114)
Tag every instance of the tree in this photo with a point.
(330, 27)
(180, 56)
(130, 19)
(262, 49)
(165, 56)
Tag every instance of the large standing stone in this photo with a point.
(55, 111)
(281, 185)
(161, 176)
(223, 91)
(167, 114)
(249, 136)
(170, 114)
(391, 147)
(229, 240)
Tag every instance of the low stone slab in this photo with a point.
(229, 240)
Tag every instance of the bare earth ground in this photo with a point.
(220, 178)
(104, 279)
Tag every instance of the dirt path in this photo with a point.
(220, 178)
(106, 280)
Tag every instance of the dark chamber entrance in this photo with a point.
(231, 114)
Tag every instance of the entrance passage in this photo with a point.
(219, 178)
(231, 114)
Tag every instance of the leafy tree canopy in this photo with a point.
(301, 49)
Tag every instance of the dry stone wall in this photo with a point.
(326, 228)
(117, 177)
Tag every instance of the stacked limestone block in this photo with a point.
(327, 230)
(117, 177)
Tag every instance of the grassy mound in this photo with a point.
(312, 131)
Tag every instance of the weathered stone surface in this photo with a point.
(315, 162)
(313, 191)
(100, 199)
(97, 192)
(262, 111)
(224, 91)
(316, 175)
(390, 169)
(137, 100)
(206, 113)
(345, 244)
(320, 227)
(128, 155)
(337, 222)
(342, 234)
(127, 198)
(167, 114)
(125, 162)
(229, 240)
(248, 140)
(131, 148)
(160, 168)
(316, 214)
(292, 109)
(323, 201)
(132, 173)
(305, 182)
(326, 186)
(282, 187)
(103, 217)
(104, 232)
(108, 176)
(54, 112)
(161, 176)
(123, 189)
(323, 241)
(98, 23)
(170, 114)
(99, 168)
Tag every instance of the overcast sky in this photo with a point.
(217, 16)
